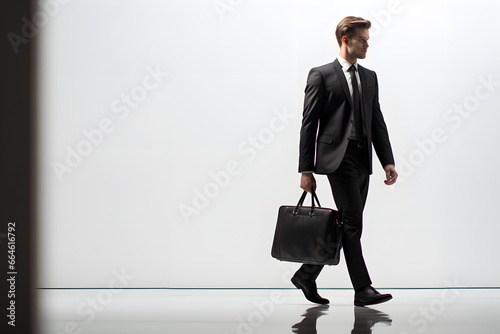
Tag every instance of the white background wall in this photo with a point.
(231, 106)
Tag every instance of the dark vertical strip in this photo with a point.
(33, 172)
(17, 187)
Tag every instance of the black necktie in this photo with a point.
(356, 101)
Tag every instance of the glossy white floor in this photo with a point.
(266, 311)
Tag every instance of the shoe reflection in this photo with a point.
(364, 320)
(308, 324)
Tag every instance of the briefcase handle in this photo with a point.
(301, 201)
(338, 220)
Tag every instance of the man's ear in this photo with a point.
(344, 39)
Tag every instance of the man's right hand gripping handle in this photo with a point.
(308, 182)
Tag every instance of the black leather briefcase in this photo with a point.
(308, 234)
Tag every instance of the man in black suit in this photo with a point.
(341, 121)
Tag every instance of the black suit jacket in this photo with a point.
(326, 122)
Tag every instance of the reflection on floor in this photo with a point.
(266, 311)
(364, 319)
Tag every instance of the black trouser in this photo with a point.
(349, 185)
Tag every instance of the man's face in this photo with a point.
(358, 44)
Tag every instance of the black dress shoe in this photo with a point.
(309, 289)
(370, 296)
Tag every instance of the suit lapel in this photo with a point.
(341, 77)
(364, 93)
(364, 84)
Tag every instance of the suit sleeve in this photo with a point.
(380, 135)
(313, 104)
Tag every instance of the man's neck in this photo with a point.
(347, 57)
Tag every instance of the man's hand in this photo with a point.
(308, 182)
(390, 175)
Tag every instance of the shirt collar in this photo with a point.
(345, 64)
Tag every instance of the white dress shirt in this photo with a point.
(345, 66)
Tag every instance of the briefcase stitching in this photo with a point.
(281, 225)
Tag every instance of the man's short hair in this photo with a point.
(349, 25)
